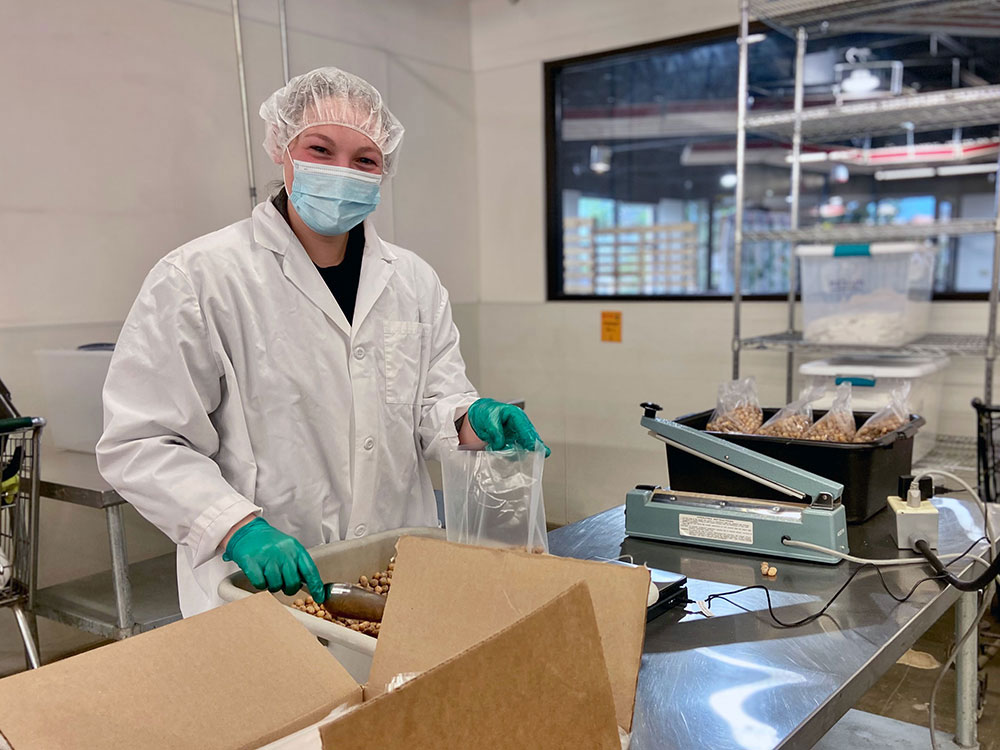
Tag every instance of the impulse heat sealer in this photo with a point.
(813, 513)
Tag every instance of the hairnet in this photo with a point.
(330, 96)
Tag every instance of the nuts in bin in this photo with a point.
(835, 427)
(380, 582)
(792, 426)
(874, 429)
(744, 418)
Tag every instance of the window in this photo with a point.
(641, 150)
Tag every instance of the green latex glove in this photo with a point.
(502, 426)
(273, 560)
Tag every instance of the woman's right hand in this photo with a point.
(273, 560)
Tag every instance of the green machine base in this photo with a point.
(740, 525)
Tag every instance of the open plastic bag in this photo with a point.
(737, 408)
(837, 425)
(794, 419)
(494, 498)
(889, 418)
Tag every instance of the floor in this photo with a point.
(903, 693)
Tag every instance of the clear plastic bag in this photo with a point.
(837, 425)
(494, 498)
(794, 419)
(737, 408)
(889, 418)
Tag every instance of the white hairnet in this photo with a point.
(330, 96)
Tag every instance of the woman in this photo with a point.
(280, 383)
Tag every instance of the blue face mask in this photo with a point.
(332, 200)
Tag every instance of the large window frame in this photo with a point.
(554, 227)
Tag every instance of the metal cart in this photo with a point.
(20, 441)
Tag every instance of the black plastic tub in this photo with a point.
(868, 471)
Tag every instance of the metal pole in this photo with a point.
(283, 25)
(800, 58)
(741, 139)
(243, 101)
(966, 669)
(119, 571)
(991, 325)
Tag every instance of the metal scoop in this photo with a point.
(353, 602)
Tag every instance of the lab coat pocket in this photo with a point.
(405, 343)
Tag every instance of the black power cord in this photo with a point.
(975, 584)
(942, 575)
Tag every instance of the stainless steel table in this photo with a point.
(738, 681)
(123, 601)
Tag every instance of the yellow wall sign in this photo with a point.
(611, 325)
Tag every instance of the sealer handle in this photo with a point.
(650, 409)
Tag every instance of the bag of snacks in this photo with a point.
(737, 408)
(889, 418)
(494, 498)
(793, 420)
(837, 425)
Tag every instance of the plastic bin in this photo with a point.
(872, 295)
(338, 562)
(873, 378)
(72, 381)
(868, 471)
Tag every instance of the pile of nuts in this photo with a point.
(768, 570)
(835, 426)
(379, 582)
(874, 429)
(745, 418)
(792, 426)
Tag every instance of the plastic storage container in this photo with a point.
(872, 295)
(338, 562)
(868, 471)
(873, 378)
(72, 380)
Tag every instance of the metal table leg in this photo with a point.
(967, 670)
(30, 649)
(119, 571)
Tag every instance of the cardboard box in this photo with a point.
(513, 650)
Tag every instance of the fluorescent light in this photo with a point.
(860, 81)
(728, 181)
(600, 159)
(958, 169)
(904, 174)
(754, 38)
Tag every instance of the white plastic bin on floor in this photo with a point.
(339, 562)
(72, 380)
(873, 379)
(873, 295)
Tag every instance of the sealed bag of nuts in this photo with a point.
(837, 425)
(793, 420)
(737, 408)
(889, 418)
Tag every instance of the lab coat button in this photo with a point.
(369, 443)
(359, 353)
(360, 529)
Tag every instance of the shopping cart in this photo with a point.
(988, 450)
(19, 457)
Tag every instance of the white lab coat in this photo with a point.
(237, 387)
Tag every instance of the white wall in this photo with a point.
(582, 393)
(123, 139)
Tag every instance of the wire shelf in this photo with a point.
(956, 453)
(934, 110)
(829, 17)
(861, 233)
(930, 345)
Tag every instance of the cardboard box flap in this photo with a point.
(540, 683)
(231, 678)
(447, 597)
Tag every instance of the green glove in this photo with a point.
(503, 426)
(273, 560)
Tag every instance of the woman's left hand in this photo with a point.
(503, 426)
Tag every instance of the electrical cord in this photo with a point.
(983, 580)
(816, 615)
(866, 561)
